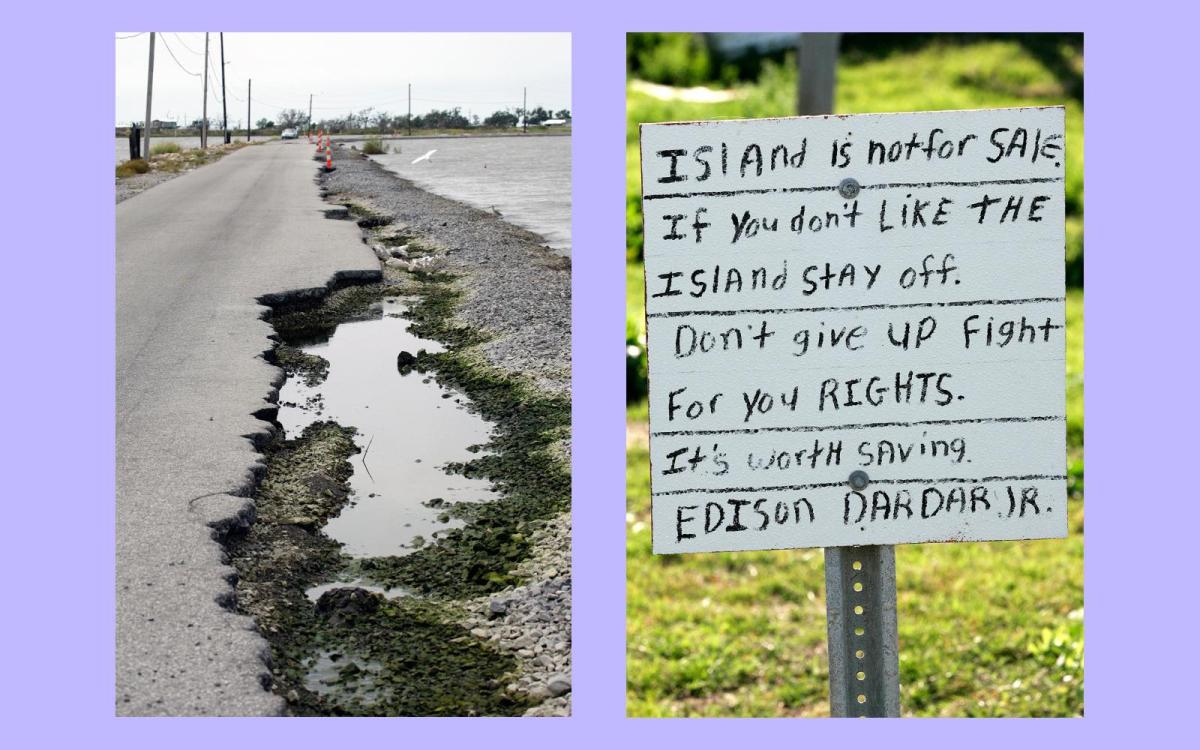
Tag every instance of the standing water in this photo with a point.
(409, 427)
(526, 179)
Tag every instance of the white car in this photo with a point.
(289, 133)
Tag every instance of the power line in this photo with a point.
(212, 66)
(130, 36)
(176, 59)
(185, 44)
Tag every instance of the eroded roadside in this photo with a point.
(483, 625)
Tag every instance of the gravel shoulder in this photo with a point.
(517, 292)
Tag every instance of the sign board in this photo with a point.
(878, 293)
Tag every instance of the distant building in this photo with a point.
(541, 123)
(163, 124)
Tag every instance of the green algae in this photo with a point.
(406, 656)
(300, 322)
(297, 363)
(532, 479)
(422, 663)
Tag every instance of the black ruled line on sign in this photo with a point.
(832, 188)
(826, 485)
(859, 426)
(783, 310)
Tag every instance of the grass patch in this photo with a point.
(982, 625)
(164, 148)
(986, 629)
(372, 146)
(131, 167)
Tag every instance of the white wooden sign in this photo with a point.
(801, 330)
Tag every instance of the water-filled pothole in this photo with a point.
(409, 427)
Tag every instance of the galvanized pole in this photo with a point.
(524, 110)
(818, 73)
(248, 82)
(860, 582)
(410, 109)
(149, 90)
(860, 604)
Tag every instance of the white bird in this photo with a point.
(425, 157)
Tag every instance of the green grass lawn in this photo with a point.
(986, 629)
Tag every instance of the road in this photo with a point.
(193, 256)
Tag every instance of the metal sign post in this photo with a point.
(860, 601)
(860, 582)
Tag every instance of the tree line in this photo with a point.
(437, 119)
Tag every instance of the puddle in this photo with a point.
(409, 428)
(340, 676)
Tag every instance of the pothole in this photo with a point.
(368, 466)
(409, 428)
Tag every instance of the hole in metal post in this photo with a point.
(858, 587)
(858, 610)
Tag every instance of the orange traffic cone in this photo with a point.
(328, 159)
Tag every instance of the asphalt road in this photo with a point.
(193, 256)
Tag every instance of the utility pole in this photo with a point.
(224, 110)
(410, 109)
(204, 124)
(149, 91)
(524, 110)
(248, 82)
(310, 113)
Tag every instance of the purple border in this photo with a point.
(59, 382)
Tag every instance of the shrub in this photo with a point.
(636, 365)
(673, 59)
(132, 167)
(374, 146)
(164, 148)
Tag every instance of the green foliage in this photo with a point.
(502, 118)
(921, 73)
(636, 363)
(675, 59)
(164, 148)
(373, 146)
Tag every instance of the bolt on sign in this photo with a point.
(856, 329)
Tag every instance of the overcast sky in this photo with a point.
(480, 73)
